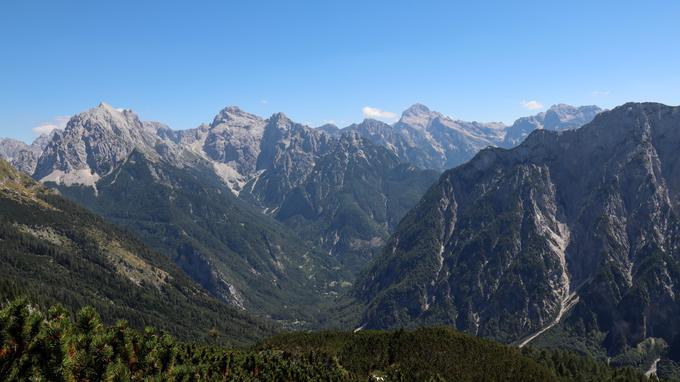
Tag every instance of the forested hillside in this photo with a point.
(56, 252)
(236, 253)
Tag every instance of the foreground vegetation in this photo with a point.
(446, 355)
(57, 347)
(52, 347)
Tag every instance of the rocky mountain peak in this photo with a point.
(563, 116)
(92, 143)
(24, 157)
(10, 147)
(418, 116)
(104, 105)
(280, 120)
(373, 122)
(416, 109)
(330, 129)
(104, 116)
(559, 117)
(234, 116)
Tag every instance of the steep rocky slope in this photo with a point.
(569, 238)
(21, 155)
(95, 142)
(53, 251)
(344, 195)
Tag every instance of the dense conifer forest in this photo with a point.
(56, 346)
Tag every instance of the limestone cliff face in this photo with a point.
(558, 118)
(431, 140)
(94, 143)
(575, 228)
(343, 194)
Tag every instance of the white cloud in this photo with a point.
(599, 93)
(372, 112)
(531, 105)
(47, 127)
(264, 101)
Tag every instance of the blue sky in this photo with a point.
(318, 61)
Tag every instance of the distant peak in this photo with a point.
(108, 107)
(567, 107)
(417, 109)
(279, 121)
(374, 123)
(279, 118)
(234, 114)
(562, 106)
(232, 109)
(330, 126)
(418, 116)
(104, 107)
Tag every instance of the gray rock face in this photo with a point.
(573, 231)
(344, 195)
(234, 138)
(558, 117)
(231, 143)
(9, 148)
(312, 180)
(288, 153)
(429, 139)
(22, 156)
(94, 143)
(329, 129)
(18, 154)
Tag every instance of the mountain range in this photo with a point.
(233, 141)
(541, 233)
(431, 140)
(258, 211)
